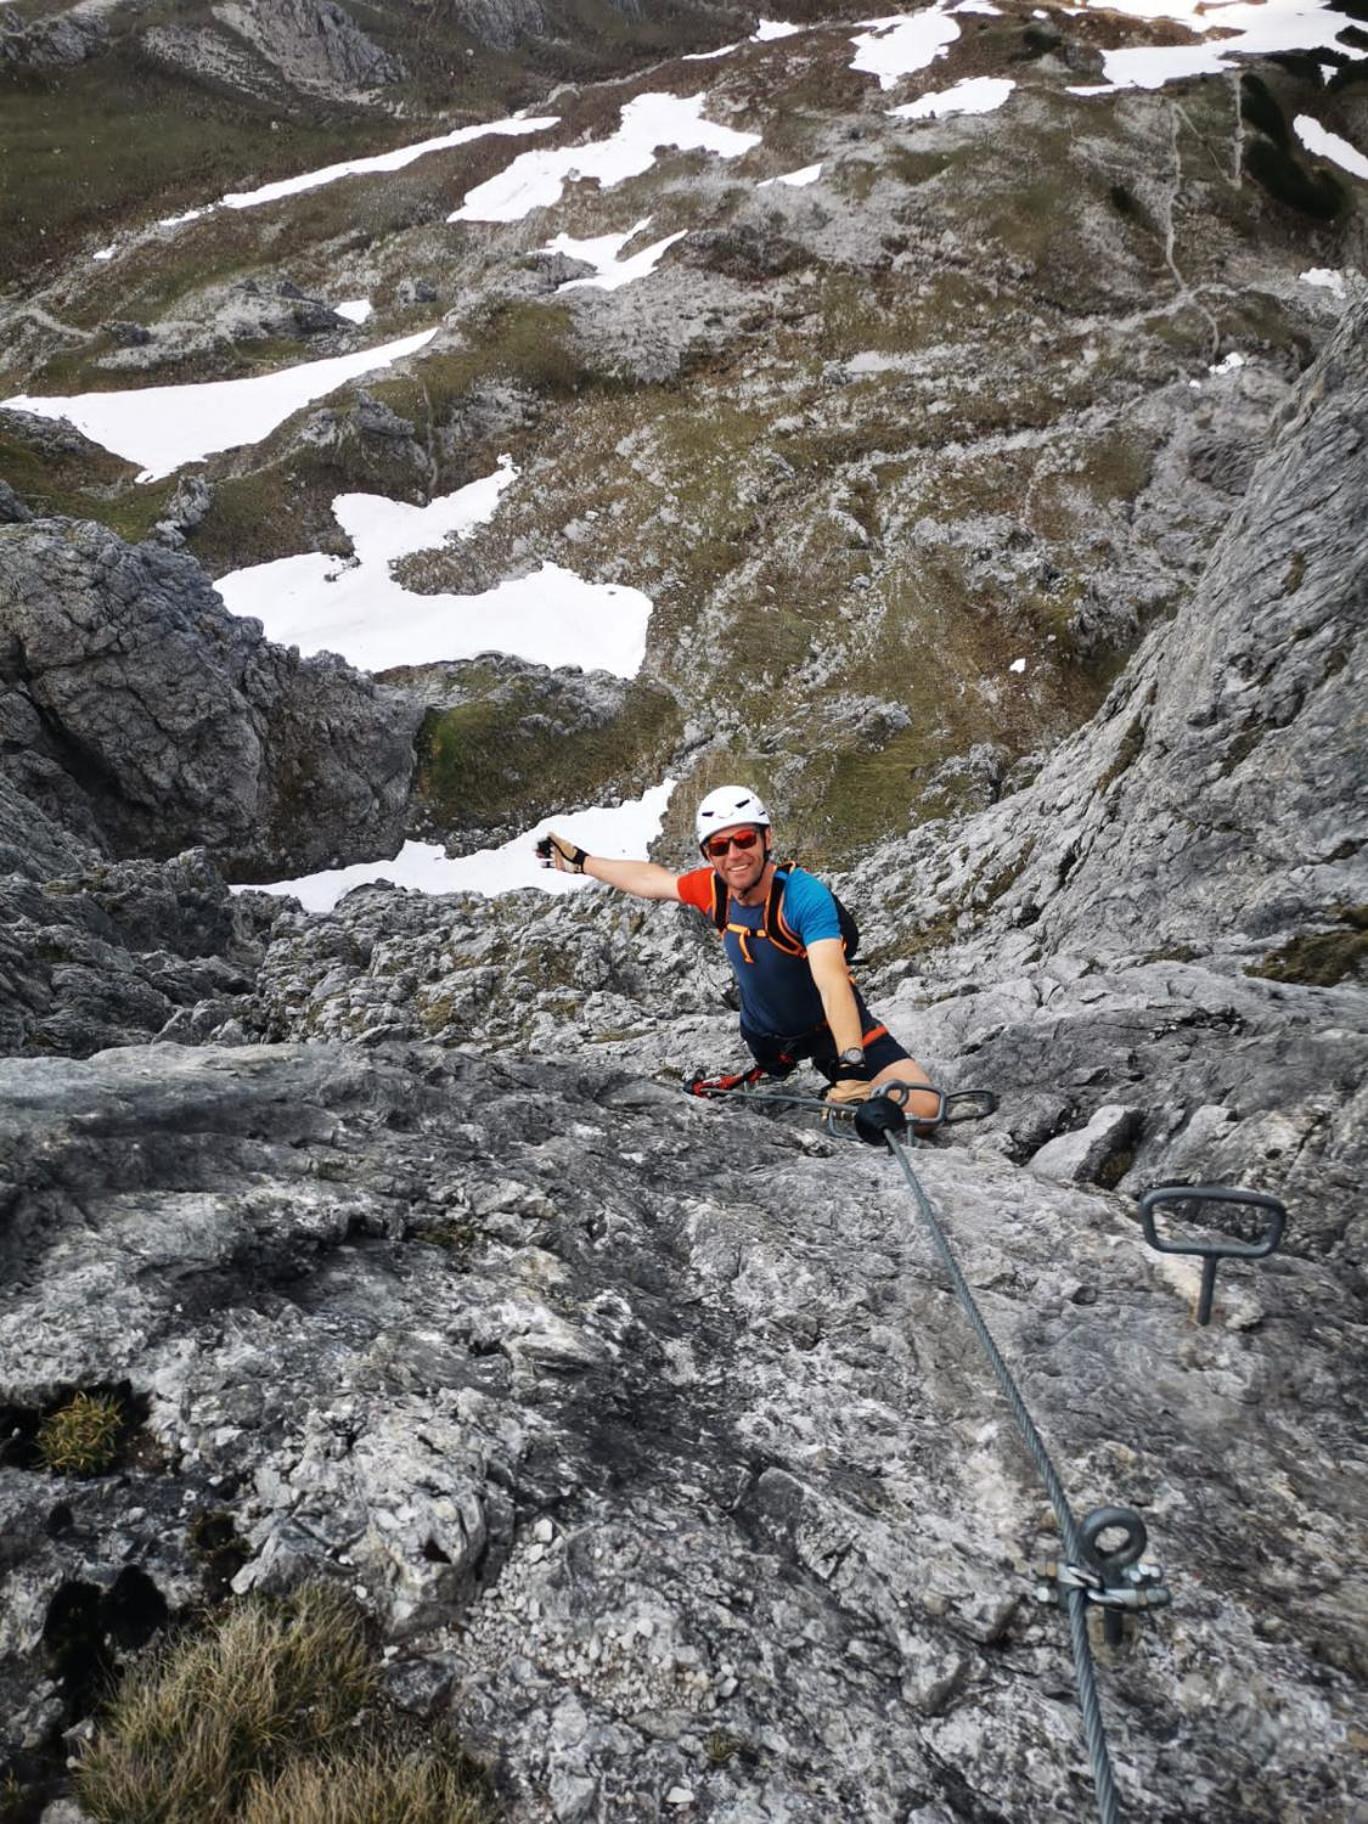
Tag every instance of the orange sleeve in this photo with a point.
(696, 889)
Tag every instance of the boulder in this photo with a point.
(135, 706)
(1084, 1155)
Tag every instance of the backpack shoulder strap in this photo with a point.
(720, 899)
(777, 928)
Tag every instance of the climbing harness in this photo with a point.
(1212, 1253)
(1111, 1576)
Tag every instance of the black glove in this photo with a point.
(555, 851)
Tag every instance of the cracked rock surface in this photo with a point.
(671, 1479)
(136, 710)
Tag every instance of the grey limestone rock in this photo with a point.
(316, 44)
(114, 953)
(12, 509)
(1168, 914)
(683, 1476)
(129, 691)
(61, 42)
(32, 844)
(1082, 1156)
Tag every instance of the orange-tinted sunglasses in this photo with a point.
(717, 846)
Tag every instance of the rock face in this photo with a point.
(314, 43)
(143, 716)
(649, 1432)
(115, 953)
(1219, 805)
(1171, 915)
(685, 1480)
(58, 43)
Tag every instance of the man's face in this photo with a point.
(742, 863)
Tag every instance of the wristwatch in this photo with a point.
(854, 1055)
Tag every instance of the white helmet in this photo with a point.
(725, 808)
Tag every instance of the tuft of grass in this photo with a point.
(82, 1437)
(1321, 959)
(208, 1716)
(376, 1786)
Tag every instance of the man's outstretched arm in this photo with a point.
(642, 879)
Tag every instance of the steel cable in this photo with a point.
(1075, 1598)
(1072, 1595)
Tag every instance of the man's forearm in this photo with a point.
(843, 1016)
(645, 879)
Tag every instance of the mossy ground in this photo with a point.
(83, 484)
(477, 760)
(87, 146)
(1322, 959)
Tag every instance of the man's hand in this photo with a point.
(565, 857)
(848, 1089)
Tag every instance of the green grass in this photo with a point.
(114, 139)
(1321, 959)
(473, 762)
(82, 1438)
(87, 483)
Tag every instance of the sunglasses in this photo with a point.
(717, 846)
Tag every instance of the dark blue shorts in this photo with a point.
(779, 1056)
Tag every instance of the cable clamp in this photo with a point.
(1141, 1586)
(1114, 1575)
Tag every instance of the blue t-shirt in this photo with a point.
(779, 998)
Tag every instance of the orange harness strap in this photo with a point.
(744, 935)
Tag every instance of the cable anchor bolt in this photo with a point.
(1212, 1253)
(1116, 1578)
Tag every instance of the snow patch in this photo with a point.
(164, 427)
(1329, 145)
(357, 608)
(615, 831)
(536, 180)
(516, 126)
(1249, 28)
(765, 33)
(903, 43)
(355, 310)
(871, 361)
(1326, 277)
(601, 252)
(796, 180)
(975, 95)
(1017, 665)
(1232, 362)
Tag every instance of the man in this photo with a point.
(797, 996)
